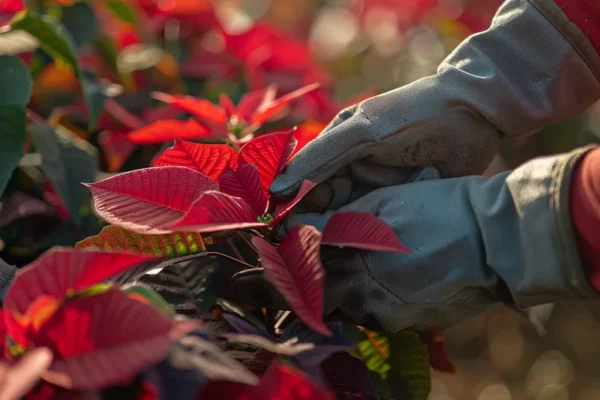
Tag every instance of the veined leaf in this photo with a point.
(15, 89)
(295, 269)
(119, 336)
(374, 349)
(282, 209)
(409, 364)
(269, 108)
(200, 108)
(363, 231)
(245, 183)
(115, 238)
(168, 130)
(270, 154)
(146, 295)
(147, 200)
(67, 160)
(210, 159)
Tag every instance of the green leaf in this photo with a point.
(188, 287)
(15, 90)
(95, 96)
(107, 51)
(122, 10)
(57, 42)
(80, 21)
(141, 292)
(409, 361)
(67, 161)
(374, 349)
(54, 39)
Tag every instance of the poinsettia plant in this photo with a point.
(177, 122)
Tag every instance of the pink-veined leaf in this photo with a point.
(115, 334)
(270, 154)
(269, 109)
(210, 159)
(146, 200)
(167, 130)
(200, 108)
(16, 379)
(245, 183)
(279, 382)
(295, 269)
(361, 230)
(282, 209)
(216, 211)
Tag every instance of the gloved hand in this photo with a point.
(531, 69)
(475, 242)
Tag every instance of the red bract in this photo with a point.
(295, 269)
(210, 159)
(39, 288)
(11, 6)
(111, 332)
(362, 231)
(167, 130)
(245, 183)
(253, 110)
(146, 200)
(279, 382)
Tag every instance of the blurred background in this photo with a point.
(355, 48)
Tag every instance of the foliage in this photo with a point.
(121, 103)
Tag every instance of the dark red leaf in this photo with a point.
(105, 339)
(199, 108)
(216, 211)
(295, 269)
(146, 200)
(117, 148)
(167, 130)
(279, 382)
(245, 183)
(210, 159)
(282, 209)
(121, 114)
(438, 357)
(349, 378)
(266, 111)
(270, 154)
(362, 231)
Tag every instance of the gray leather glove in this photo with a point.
(531, 69)
(475, 242)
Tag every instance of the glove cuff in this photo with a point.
(571, 32)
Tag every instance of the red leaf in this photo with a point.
(167, 130)
(253, 101)
(438, 357)
(270, 154)
(362, 231)
(11, 6)
(121, 114)
(279, 382)
(227, 105)
(268, 110)
(295, 269)
(110, 333)
(210, 159)
(245, 183)
(146, 200)
(216, 211)
(199, 108)
(55, 274)
(117, 149)
(282, 209)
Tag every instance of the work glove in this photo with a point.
(475, 242)
(532, 68)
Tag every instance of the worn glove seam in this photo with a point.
(570, 32)
(559, 203)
